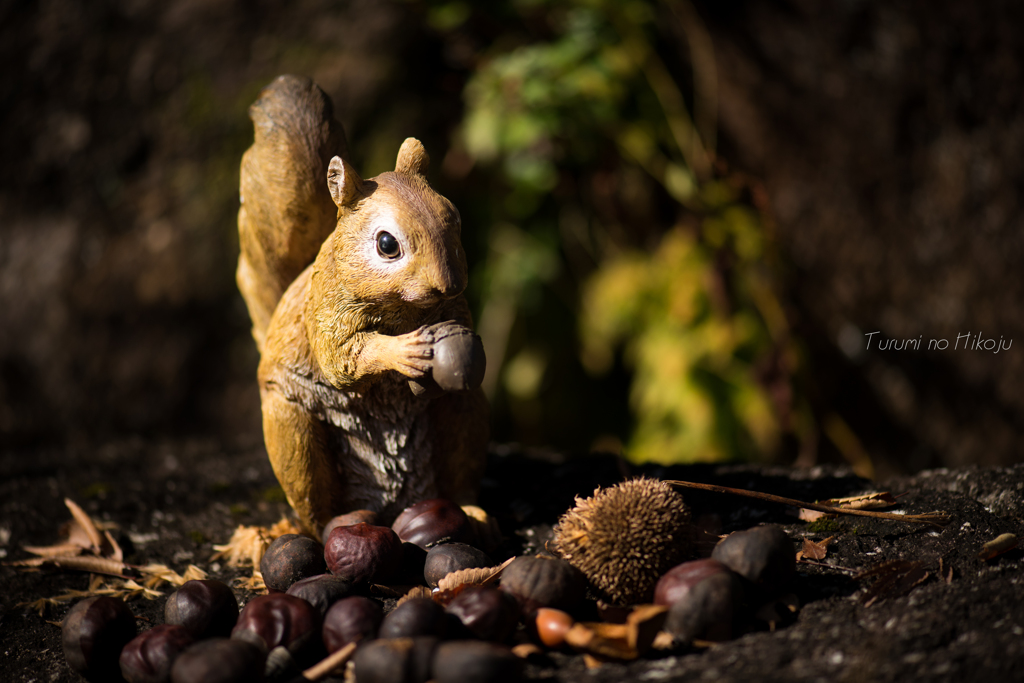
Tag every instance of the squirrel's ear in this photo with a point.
(345, 184)
(412, 158)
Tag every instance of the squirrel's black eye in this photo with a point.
(387, 245)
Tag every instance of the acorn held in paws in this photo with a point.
(458, 362)
(624, 537)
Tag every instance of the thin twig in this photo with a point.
(937, 519)
(326, 666)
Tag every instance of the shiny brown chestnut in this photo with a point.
(219, 660)
(763, 556)
(207, 608)
(290, 558)
(703, 598)
(321, 591)
(351, 620)
(490, 614)
(395, 660)
(148, 657)
(279, 619)
(543, 582)
(363, 553)
(94, 633)
(472, 661)
(450, 557)
(415, 617)
(347, 519)
(433, 521)
(458, 363)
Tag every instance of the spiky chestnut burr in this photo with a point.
(624, 537)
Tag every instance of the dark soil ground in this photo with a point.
(963, 622)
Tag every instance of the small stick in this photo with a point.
(937, 519)
(326, 666)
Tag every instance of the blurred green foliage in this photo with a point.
(609, 199)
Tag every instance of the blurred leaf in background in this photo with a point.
(597, 120)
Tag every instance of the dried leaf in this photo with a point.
(59, 550)
(526, 650)
(806, 515)
(998, 546)
(414, 592)
(816, 550)
(643, 625)
(664, 641)
(601, 639)
(867, 501)
(156, 574)
(86, 563)
(115, 550)
(892, 579)
(87, 525)
(194, 573)
(481, 576)
(248, 543)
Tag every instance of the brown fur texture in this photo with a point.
(342, 427)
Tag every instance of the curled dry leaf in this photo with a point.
(87, 525)
(480, 576)
(59, 550)
(414, 592)
(892, 579)
(619, 641)
(248, 543)
(156, 574)
(998, 546)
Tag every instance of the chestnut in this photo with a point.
(703, 597)
(543, 582)
(149, 656)
(289, 558)
(321, 591)
(446, 558)
(395, 660)
(279, 619)
(432, 521)
(93, 634)
(472, 661)
(458, 362)
(351, 620)
(207, 608)
(363, 552)
(219, 660)
(763, 555)
(490, 614)
(550, 626)
(415, 617)
(347, 519)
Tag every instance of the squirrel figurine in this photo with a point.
(369, 372)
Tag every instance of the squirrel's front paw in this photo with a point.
(413, 352)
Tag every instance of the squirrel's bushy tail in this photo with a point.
(286, 208)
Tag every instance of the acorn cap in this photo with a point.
(623, 538)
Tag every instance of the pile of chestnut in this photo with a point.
(319, 602)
